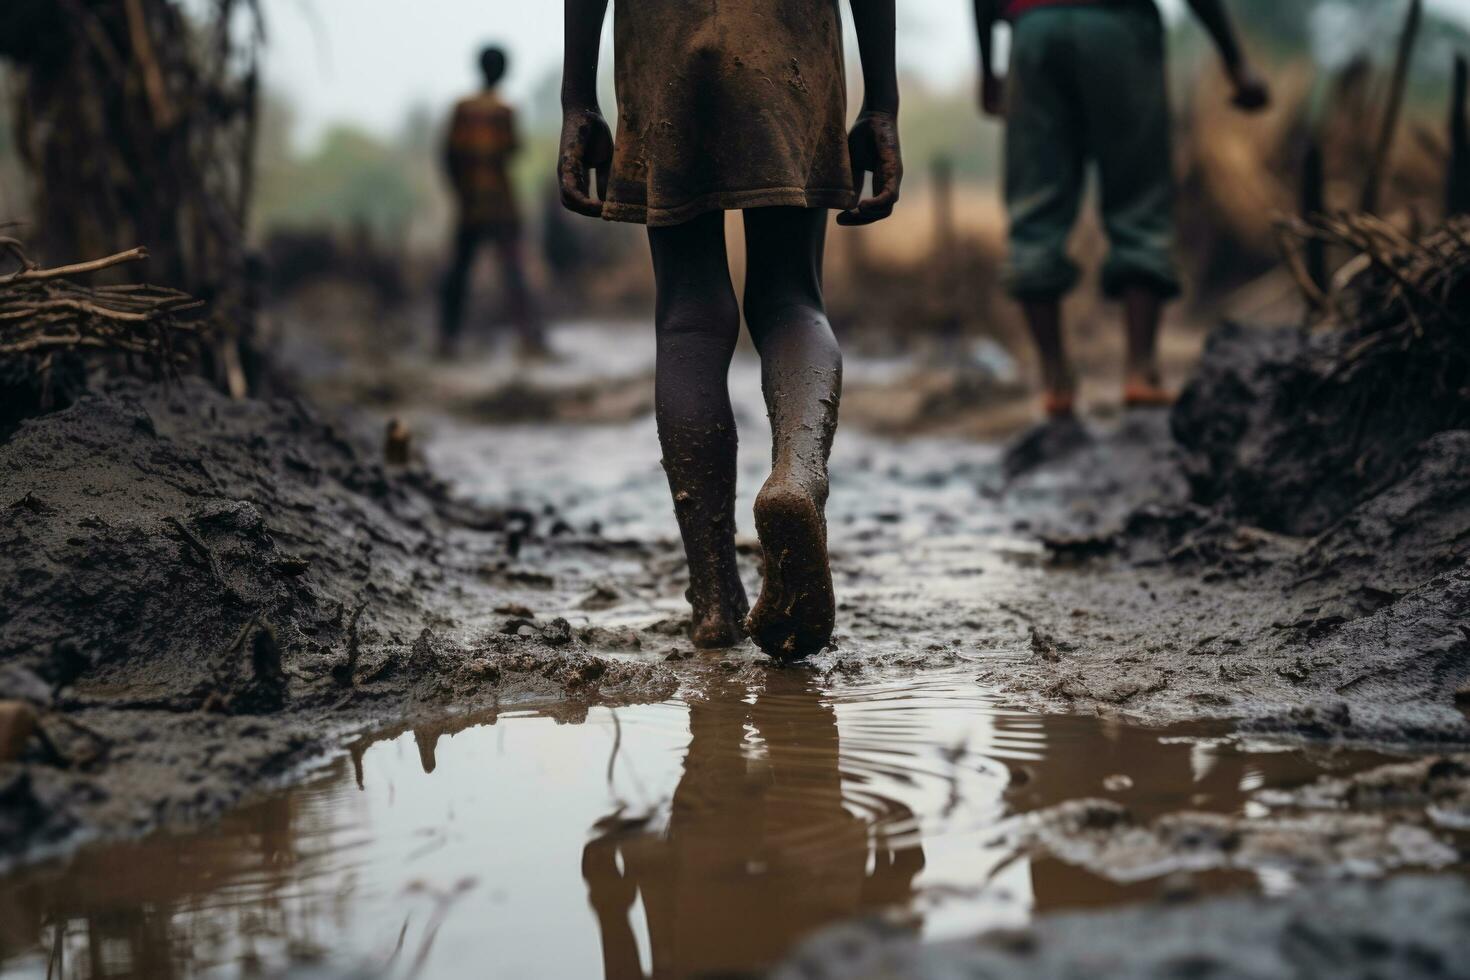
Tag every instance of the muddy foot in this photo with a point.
(717, 615)
(795, 612)
(720, 627)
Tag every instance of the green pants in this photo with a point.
(1087, 87)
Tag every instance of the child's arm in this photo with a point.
(873, 142)
(586, 141)
(992, 87)
(1251, 92)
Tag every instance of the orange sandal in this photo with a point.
(1142, 394)
(1059, 405)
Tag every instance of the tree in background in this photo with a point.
(351, 178)
(136, 120)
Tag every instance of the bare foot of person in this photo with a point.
(1145, 391)
(718, 622)
(794, 615)
(1059, 405)
(1058, 390)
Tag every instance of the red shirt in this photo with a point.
(1015, 8)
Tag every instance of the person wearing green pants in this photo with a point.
(1086, 87)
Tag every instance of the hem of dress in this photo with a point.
(838, 199)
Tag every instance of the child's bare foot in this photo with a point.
(1059, 405)
(1058, 390)
(718, 623)
(1145, 391)
(796, 610)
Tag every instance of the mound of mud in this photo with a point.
(199, 594)
(1293, 549)
(1292, 429)
(187, 549)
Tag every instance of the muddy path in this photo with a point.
(253, 600)
(1072, 566)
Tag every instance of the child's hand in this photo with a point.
(586, 145)
(993, 96)
(873, 147)
(1252, 94)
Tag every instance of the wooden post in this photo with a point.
(1457, 199)
(1314, 203)
(941, 173)
(1378, 165)
(944, 262)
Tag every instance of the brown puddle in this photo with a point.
(697, 836)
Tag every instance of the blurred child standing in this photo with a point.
(477, 154)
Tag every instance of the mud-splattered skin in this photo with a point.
(801, 376)
(698, 322)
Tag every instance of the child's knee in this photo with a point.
(779, 302)
(768, 316)
(714, 318)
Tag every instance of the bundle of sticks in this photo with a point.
(43, 311)
(1396, 355)
(1392, 275)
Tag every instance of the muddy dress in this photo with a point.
(725, 105)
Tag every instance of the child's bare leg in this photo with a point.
(452, 292)
(1143, 309)
(1044, 320)
(518, 291)
(801, 373)
(698, 323)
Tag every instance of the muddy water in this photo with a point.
(702, 835)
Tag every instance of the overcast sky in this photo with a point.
(369, 61)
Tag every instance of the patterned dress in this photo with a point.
(725, 105)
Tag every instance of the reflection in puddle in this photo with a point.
(698, 836)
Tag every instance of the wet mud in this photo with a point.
(1332, 614)
(211, 600)
(1407, 927)
(199, 594)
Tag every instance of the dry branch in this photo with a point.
(1392, 366)
(137, 120)
(1393, 106)
(42, 311)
